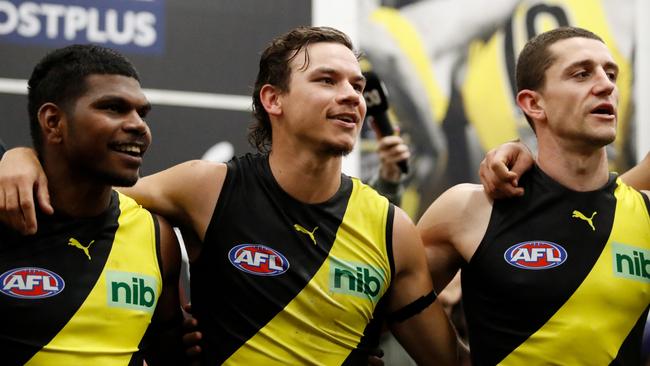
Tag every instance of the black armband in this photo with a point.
(413, 308)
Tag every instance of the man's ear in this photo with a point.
(51, 118)
(270, 97)
(532, 104)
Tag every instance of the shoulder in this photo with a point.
(462, 210)
(459, 200)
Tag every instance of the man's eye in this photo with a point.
(612, 76)
(582, 74)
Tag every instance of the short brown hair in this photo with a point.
(275, 70)
(536, 58)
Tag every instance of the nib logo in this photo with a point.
(631, 262)
(131, 290)
(356, 279)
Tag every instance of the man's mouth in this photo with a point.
(605, 109)
(345, 117)
(133, 149)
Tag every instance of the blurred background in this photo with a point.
(448, 66)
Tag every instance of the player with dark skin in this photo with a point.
(90, 136)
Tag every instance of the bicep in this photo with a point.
(435, 229)
(411, 279)
(426, 332)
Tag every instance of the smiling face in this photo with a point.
(324, 106)
(106, 135)
(579, 97)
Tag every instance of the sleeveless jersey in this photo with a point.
(80, 291)
(281, 282)
(561, 277)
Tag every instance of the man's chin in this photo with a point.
(122, 180)
(338, 150)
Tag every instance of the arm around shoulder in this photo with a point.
(186, 193)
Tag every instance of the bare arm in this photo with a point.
(639, 176)
(186, 193)
(452, 228)
(21, 176)
(428, 335)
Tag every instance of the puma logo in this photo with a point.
(581, 216)
(305, 231)
(75, 243)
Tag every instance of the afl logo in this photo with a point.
(535, 255)
(258, 260)
(31, 283)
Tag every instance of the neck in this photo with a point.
(307, 177)
(578, 171)
(73, 194)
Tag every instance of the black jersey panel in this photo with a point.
(259, 259)
(506, 298)
(57, 249)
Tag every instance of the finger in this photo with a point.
(188, 308)
(193, 351)
(389, 142)
(13, 216)
(27, 209)
(192, 338)
(375, 361)
(43, 195)
(501, 172)
(523, 162)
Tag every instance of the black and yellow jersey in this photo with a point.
(281, 282)
(80, 291)
(561, 277)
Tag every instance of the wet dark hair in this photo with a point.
(274, 69)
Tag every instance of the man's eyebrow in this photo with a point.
(591, 63)
(124, 102)
(329, 71)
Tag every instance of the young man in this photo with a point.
(298, 261)
(557, 275)
(101, 271)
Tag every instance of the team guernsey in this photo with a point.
(281, 282)
(80, 291)
(561, 277)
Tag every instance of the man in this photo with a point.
(101, 271)
(298, 261)
(550, 277)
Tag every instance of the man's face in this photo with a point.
(106, 135)
(324, 106)
(580, 97)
